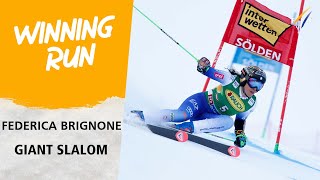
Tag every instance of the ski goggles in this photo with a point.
(254, 83)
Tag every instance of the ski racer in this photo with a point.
(210, 111)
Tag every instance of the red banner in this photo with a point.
(258, 29)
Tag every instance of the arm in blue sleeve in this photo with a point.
(223, 77)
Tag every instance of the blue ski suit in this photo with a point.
(210, 111)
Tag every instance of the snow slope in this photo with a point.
(147, 156)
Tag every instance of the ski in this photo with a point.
(183, 136)
(173, 134)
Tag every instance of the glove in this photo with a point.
(203, 65)
(241, 139)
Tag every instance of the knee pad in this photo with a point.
(216, 124)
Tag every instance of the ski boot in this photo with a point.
(185, 126)
(139, 113)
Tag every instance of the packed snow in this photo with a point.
(148, 156)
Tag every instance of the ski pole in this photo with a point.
(166, 33)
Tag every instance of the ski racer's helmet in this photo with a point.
(254, 76)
